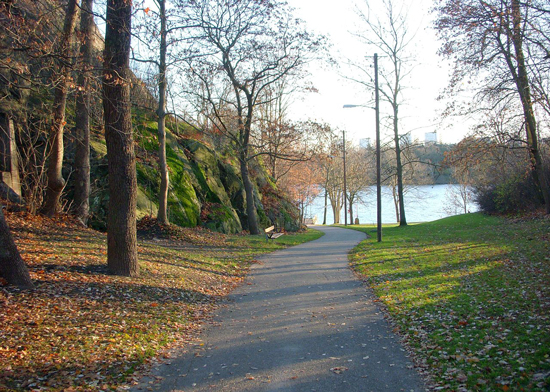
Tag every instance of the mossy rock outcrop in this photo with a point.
(205, 188)
(217, 211)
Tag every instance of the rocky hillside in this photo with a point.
(206, 188)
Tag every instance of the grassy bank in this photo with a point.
(82, 329)
(471, 295)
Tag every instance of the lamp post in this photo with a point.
(378, 180)
(345, 186)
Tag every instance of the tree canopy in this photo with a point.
(501, 46)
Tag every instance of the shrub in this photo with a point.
(514, 194)
(485, 197)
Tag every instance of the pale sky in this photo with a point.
(419, 111)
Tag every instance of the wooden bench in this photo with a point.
(271, 234)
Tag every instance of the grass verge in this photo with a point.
(82, 329)
(471, 295)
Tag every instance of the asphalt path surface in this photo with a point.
(301, 322)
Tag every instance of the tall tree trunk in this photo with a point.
(244, 146)
(10, 181)
(56, 183)
(249, 191)
(12, 266)
(464, 195)
(336, 206)
(395, 194)
(522, 82)
(121, 221)
(6, 143)
(350, 205)
(162, 216)
(400, 192)
(326, 198)
(83, 101)
(326, 207)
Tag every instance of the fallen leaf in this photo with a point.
(339, 369)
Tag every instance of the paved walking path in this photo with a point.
(302, 322)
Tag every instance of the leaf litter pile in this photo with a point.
(471, 296)
(82, 329)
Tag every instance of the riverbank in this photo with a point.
(471, 296)
(423, 203)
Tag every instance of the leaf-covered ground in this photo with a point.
(82, 329)
(471, 295)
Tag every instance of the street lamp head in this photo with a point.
(350, 106)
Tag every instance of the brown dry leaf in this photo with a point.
(338, 369)
(81, 326)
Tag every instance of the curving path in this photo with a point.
(302, 322)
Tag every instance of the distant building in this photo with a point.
(365, 143)
(430, 137)
(406, 139)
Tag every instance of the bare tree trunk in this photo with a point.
(395, 194)
(522, 82)
(121, 221)
(244, 142)
(400, 193)
(464, 194)
(12, 266)
(83, 101)
(162, 216)
(336, 211)
(249, 191)
(6, 152)
(56, 183)
(350, 205)
(326, 207)
(10, 180)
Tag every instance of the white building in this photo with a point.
(365, 143)
(430, 137)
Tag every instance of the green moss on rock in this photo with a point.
(204, 164)
(205, 188)
(183, 204)
(145, 206)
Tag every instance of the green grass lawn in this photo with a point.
(471, 295)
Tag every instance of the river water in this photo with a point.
(423, 203)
